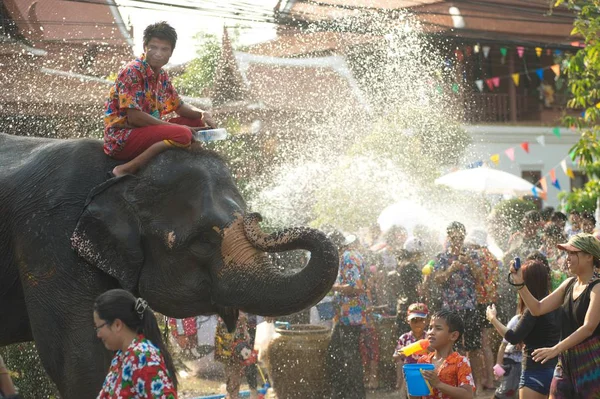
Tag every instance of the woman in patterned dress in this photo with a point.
(142, 366)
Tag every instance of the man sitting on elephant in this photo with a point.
(141, 95)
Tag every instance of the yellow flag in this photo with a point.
(515, 77)
(495, 159)
(570, 173)
(538, 51)
(556, 69)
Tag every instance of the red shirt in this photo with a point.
(455, 371)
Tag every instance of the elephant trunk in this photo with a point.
(249, 280)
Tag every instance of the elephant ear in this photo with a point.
(108, 233)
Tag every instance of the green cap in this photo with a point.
(582, 242)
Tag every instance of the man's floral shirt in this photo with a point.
(351, 310)
(136, 87)
(139, 372)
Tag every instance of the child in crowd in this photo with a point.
(417, 319)
(452, 377)
(509, 357)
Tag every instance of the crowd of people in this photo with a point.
(464, 284)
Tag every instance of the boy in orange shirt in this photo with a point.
(452, 378)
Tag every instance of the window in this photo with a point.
(579, 180)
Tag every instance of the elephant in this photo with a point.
(177, 234)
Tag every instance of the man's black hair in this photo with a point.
(559, 217)
(588, 216)
(533, 216)
(456, 227)
(160, 30)
(574, 212)
(547, 213)
(453, 321)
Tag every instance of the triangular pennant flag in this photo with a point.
(541, 140)
(496, 81)
(556, 131)
(556, 69)
(459, 55)
(495, 159)
(476, 48)
(468, 51)
(525, 146)
(538, 51)
(548, 51)
(490, 83)
(544, 195)
(520, 51)
(556, 184)
(479, 84)
(552, 174)
(486, 51)
(515, 77)
(557, 53)
(572, 155)
(544, 184)
(570, 173)
(534, 191)
(510, 153)
(503, 51)
(563, 165)
(540, 73)
(455, 87)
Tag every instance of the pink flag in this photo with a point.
(552, 175)
(520, 51)
(496, 81)
(510, 153)
(490, 83)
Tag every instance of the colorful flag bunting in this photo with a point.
(538, 51)
(503, 51)
(520, 51)
(455, 87)
(525, 146)
(495, 159)
(552, 174)
(548, 51)
(556, 131)
(496, 81)
(486, 51)
(570, 173)
(515, 77)
(534, 191)
(540, 73)
(557, 53)
(510, 153)
(479, 84)
(473, 165)
(544, 184)
(572, 155)
(490, 83)
(476, 48)
(556, 69)
(541, 140)
(556, 184)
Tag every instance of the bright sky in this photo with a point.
(188, 22)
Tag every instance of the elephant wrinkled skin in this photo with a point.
(176, 234)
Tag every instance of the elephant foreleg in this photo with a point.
(13, 313)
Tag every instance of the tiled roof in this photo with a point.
(64, 21)
(295, 44)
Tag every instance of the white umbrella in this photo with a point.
(404, 213)
(486, 181)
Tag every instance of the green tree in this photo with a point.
(583, 72)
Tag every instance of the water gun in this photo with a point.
(416, 347)
(428, 268)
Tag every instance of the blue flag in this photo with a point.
(534, 191)
(556, 184)
(540, 73)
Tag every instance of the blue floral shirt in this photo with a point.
(351, 310)
(458, 292)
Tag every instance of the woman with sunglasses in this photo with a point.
(142, 366)
(578, 298)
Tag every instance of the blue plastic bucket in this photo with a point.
(416, 384)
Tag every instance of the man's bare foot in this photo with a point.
(121, 170)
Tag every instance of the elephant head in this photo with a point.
(178, 234)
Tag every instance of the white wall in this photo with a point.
(489, 140)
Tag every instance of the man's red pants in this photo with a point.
(141, 138)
